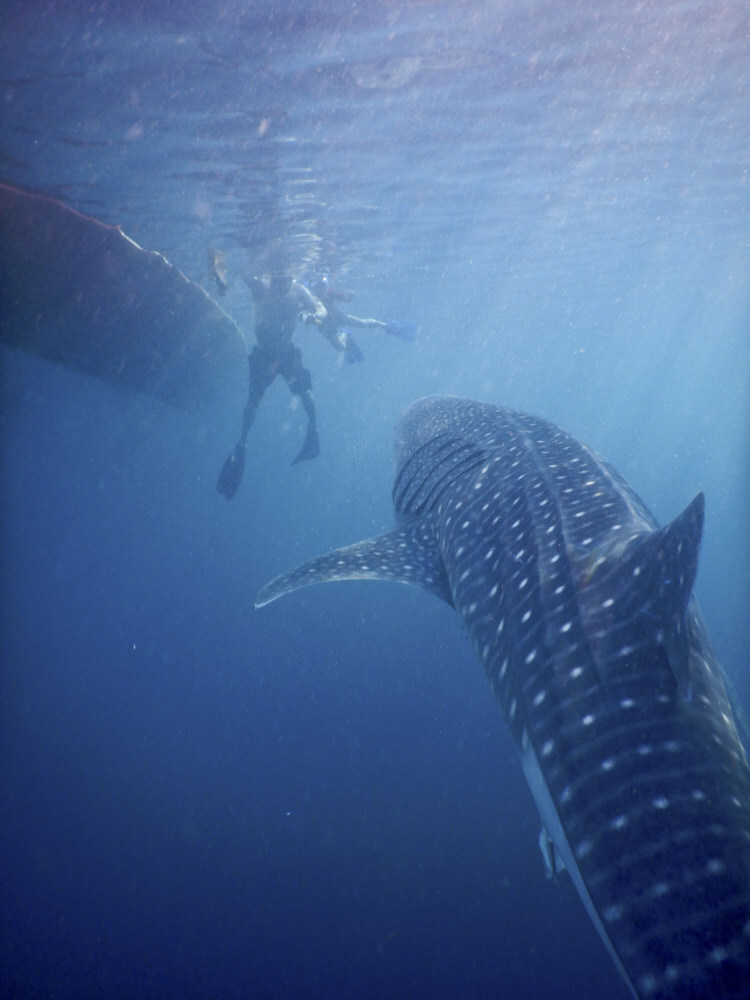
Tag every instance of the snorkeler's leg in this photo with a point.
(232, 471)
(311, 447)
(300, 384)
(352, 354)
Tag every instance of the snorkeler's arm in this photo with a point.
(311, 308)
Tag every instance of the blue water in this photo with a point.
(319, 799)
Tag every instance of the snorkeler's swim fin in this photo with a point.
(311, 447)
(230, 476)
(352, 353)
(404, 329)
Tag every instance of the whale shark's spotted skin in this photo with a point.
(580, 610)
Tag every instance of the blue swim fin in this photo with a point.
(352, 353)
(230, 476)
(404, 329)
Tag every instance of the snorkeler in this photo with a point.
(334, 326)
(279, 302)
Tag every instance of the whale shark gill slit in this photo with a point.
(430, 470)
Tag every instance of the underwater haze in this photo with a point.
(319, 799)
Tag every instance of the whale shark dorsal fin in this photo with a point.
(409, 554)
(651, 585)
(677, 567)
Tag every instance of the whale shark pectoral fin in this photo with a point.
(553, 863)
(409, 554)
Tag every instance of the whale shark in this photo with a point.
(581, 610)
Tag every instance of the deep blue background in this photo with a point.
(319, 799)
